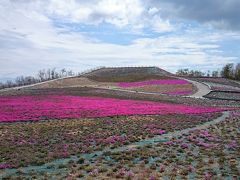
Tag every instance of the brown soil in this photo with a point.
(72, 82)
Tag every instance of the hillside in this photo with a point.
(128, 74)
(105, 77)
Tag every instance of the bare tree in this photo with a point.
(70, 73)
(41, 75)
(53, 72)
(215, 74)
(48, 74)
(2, 86)
(9, 83)
(63, 72)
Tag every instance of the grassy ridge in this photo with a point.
(128, 74)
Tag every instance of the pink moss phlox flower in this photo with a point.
(130, 174)
(184, 145)
(204, 133)
(158, 131)
(21, 142)
(6, 166)
(152, 177)
(152, 82)
(232, 144)
(169, 143)
(132, 149)
(207, 145)
(94, 172)
(122, 172)
(114, 139)
(191, 168)
(61, 107)
(207, 176)
(149, 126)
(65, 150)
(161, 169)
(108, 122)
(191, 138)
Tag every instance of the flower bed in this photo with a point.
(211, 153)
(152, 82)
(59, 107)
(36, 143)
(167, 86)
(170, 89)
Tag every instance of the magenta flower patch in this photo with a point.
(65, 107)
(6, 166)
(152, 82)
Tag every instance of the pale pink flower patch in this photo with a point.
(152, 82)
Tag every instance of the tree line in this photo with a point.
(229, 71)
(41, 76)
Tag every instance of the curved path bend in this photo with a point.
(203, 89)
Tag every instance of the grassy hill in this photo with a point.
(128, 74)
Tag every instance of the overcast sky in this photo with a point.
(83, 34)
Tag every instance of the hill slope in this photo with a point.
(128, 74)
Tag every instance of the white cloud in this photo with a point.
(30, 40)
(119, 13)
(159, 25)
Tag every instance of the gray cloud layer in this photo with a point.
(223, 14)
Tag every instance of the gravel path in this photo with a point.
(203, 89)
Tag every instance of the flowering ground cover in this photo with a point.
(153, 82)
(166, 86)
(108, 93)
(210, 153)
(35, 143)
(166, 89)
(19, 108)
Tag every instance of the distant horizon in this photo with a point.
(4, 80)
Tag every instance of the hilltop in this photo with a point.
(127, 74)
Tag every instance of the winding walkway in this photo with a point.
(203, 89)
(154, 140)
